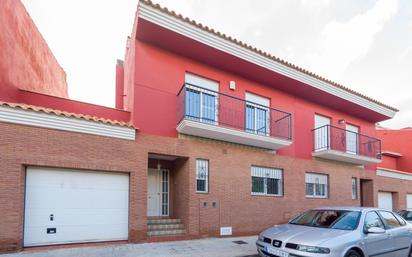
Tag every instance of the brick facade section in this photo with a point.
(29, 146)
(229, 180)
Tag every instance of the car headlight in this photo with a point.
(260, 238)
(313, 249)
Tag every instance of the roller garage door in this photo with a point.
(409, 201)
(385, 200)
(72, 206)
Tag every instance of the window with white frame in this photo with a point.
(354, 189)
(201, 99)
(316, 185)
(257, 114)
(202, 176)
(266, 181)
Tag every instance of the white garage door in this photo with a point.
(71, 206)
(385, 200)
(409, 201)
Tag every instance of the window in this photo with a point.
(316, 185)
(201, 105)
(201, 99)
(407, 215)
(400, 219)
(333, 219)
(257, 114)
(372, 220)
(257, 119)
(352, 139)
(165, 192)
(389, 219)
(322, 133)
(266, 181)
(354, 189)
(202, 176)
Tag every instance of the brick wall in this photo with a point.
(230, 185)
(229, 180)
(22, 145)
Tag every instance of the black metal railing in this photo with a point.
(211, 107)
(329, 137)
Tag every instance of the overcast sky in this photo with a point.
(365, 45)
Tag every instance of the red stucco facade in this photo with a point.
(26, 60)
(399, 142)
(159, 75)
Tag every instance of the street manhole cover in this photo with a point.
(240, 242)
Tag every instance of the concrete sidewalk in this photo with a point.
(216, 247)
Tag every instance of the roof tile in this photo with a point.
(65, 114)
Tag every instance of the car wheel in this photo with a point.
(352, 253)
(410, 252)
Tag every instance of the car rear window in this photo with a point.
(407, 215)
(333, 219)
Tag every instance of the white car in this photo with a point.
(339, 232)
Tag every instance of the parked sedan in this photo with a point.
(339, 232)
(406, 214)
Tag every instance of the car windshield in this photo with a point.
(333, 219)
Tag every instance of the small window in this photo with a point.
(316, 185)
(266, 181)
(202, 176)
(389, 219)
(372, 220)
(354, 189)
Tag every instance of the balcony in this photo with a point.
(210, 114)
(338, 144)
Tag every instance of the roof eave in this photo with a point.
(188, 28)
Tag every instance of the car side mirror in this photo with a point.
(375, 230)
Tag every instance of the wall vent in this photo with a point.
(226, 231)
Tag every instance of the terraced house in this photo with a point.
(209, 137)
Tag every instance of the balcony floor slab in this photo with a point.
(345, 157)
(211, 131)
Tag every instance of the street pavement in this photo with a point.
(210, 247)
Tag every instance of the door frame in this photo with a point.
(161, 193)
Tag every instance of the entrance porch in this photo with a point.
(166, 214)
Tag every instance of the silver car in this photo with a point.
(339, 232)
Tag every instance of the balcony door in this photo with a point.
(257, 114)
(322, 133)
(352, 139)
(201, 99)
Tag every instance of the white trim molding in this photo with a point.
(216, 132)
(345, 157)
(397, 174)
(165, 20)
(52, 121)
